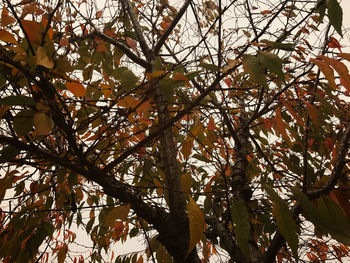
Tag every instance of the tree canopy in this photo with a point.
(213, 129)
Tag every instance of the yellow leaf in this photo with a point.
(119, 212)
(76, 88)
(42, 59)
(197, 223)
(43, 123)
(7, 37)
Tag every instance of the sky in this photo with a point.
(346, 20)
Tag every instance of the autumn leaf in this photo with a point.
(6, 19)
(7, 37)
(196, 222)
(43, 123)
(340, 68)
(33, 31)
(106, 89)
(119, 212)
(132, 43)
(333, 43)
(62, 253)
(76, 88)
(42, 59)
(327, 72)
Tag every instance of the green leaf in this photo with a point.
(253, 67)
(196, 222)
(210, 67)
(72, 179)
(8, 153)
(278, 45)
(17, 101)
(337, 224)
(321, 9)
(335, 14)
(272, 62)
(285, 221)
(168, 89)
(328, 217)
(240, 218)
(191, 75)
(23, 122)
(126, 77)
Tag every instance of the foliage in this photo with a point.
(202, 126)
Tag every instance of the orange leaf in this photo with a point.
(333, 43)
(265, 12)
(327, 72)
(7, 37)
(132, 43)
(33, 30)
(76, 88)
(140, 260)
(99, 14)
(341, 69)
(6, 19)
(179, 76)
(345, 56)
(106, 89)
(211, 124)
(128, 102)
(101, 48)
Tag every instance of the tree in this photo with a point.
(203, 126)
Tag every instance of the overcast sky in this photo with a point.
(346, 20)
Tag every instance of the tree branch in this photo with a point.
(168, 31)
